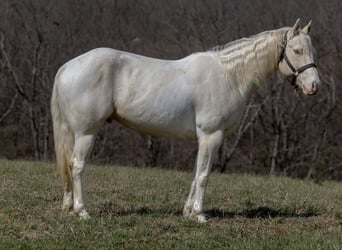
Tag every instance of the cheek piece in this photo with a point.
(282, 56)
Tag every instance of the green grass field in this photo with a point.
(134, 208)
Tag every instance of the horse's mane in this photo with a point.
(224, 46)
(249, 60)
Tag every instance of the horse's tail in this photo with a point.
(63, 137)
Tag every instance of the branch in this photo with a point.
(8, 111)
(10, 68)
(243, 127)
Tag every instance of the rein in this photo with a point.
(282, 56)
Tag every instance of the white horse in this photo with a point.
(201, 96)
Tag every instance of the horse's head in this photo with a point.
(296, 59)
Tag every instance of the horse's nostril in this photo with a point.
(313, 90)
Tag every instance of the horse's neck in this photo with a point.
(249, 62)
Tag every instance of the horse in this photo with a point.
(201, 96)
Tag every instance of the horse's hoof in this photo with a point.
(84, 215)
(201, 218)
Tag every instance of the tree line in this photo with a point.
(280, 132)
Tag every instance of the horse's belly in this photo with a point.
(162, 106)
(179, 125)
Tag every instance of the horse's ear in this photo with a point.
(307, 28)
(295, 29)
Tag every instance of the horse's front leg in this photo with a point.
(209, 144)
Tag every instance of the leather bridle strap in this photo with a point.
(296, 72)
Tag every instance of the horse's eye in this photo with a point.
(298, 51)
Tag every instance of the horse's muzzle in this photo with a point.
(313, 90)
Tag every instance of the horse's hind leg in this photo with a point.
(67, 198)
(82, 148)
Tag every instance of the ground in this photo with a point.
(141, 208)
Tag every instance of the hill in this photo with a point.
(141, 208)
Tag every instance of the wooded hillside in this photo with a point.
(281, 133)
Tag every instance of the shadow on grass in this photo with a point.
(260, 212)
(110, 208)
(148, 211)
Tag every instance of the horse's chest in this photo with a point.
(220, 113)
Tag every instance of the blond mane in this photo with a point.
(250, 61)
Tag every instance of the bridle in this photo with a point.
(282, 56)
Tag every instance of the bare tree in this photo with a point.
(279, 132)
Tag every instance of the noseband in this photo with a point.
(282, 56)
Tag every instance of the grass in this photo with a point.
(135, 208)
